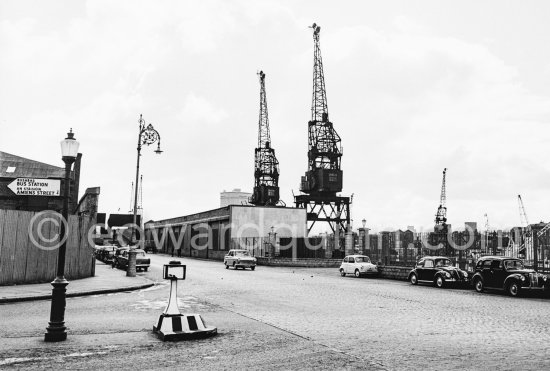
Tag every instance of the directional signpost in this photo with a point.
(35, 187)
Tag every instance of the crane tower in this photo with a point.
(441, 216)
(522, 213)
(266, 165)
(323, 178)
(440, 236)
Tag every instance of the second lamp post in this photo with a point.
(147, 136)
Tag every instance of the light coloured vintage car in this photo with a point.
(358, 265)
(239, 258)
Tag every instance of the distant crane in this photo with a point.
(140, 201)
(525, 236)
(131, 196)
(441, 215)
(323, 178)
(266, 165)
(522, 213)
(140, 196)
(486, 232)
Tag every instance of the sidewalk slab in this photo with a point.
(106, 280)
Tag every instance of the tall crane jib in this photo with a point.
(266, 165)
(441, 216)
(324, 175)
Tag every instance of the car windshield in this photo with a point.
(513, 264)
(362, 259)
(242, 253)
(443, 263)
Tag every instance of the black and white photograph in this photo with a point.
(274, 185)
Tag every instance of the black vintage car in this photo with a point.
(439, 271)
(508, 274)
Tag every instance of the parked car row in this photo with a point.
(491, 273)
(105, 253)
(122, 256)
(118, 257)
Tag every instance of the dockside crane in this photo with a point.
(324, 175)
(441, 215)
(266, 165)
(323, 178)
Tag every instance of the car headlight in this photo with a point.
(447, 274)
(465, 274)
(522, 278)
(545, 277)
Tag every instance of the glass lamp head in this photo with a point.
(69, 146)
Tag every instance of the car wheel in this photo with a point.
(226, 266)
(513, 289)
(252, 268)
(357, 273)
(342, 273)
(235, 265)
(439, 282)
(478, 284)
(414, 279)
(145, 269)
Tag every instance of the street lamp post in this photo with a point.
(56, 330)
(363, 236)
(147, 136)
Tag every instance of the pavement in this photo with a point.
(106, 280)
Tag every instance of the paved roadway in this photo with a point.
(289, 318)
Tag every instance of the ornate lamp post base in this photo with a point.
(56, 330)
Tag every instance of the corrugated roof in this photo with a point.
(12, 166)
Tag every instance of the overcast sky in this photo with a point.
(412, 87)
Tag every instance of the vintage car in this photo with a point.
(358, 265)
(239, 258)
(121, 259)
(508, 274)
(439, 271)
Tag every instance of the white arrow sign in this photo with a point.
(35, 187)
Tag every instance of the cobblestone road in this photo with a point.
(281, 318)
(390, 323)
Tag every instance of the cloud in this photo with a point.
(198, 110)
(406, 98)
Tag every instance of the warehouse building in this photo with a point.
(212, 233)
